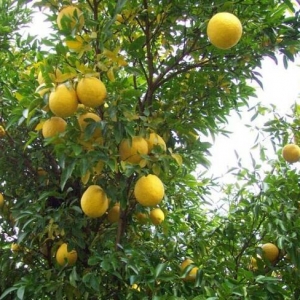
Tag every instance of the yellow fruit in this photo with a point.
(70, 17)
(65, 257)
(91, 91)
(114, 214)
(82, 108)
(155, 139)
(270, 252)
(130, 150)
(157, 216)
(1, 200)
(41, 172)
(63, 101)
(83, 121)
(193, 272)
(136, 287)
(291, 153)
(224, 30)
(186, 263)
(94, 202)
(2, 132)
(141, 218)
(53, 127)
(15, 247)
(149, 190)
(119, 18)
(253, 264)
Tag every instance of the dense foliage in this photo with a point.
(161, 74)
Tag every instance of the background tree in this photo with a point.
(162, 75)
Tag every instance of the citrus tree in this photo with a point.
(103, 125)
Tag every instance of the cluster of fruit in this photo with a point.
(88, 94)
(64, 101)
(270, 254)
(148, 190)
(224, 30)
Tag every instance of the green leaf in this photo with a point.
(8, 291)
(159, 269)
(137, 46)
(21, 292)
(94, 260)
(262, 279)
(73, 277)
(200, 297)
(66, 173)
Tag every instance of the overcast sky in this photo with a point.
(281, 88)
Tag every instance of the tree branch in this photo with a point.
(246, 245)
(150, 63)
(161, 80)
